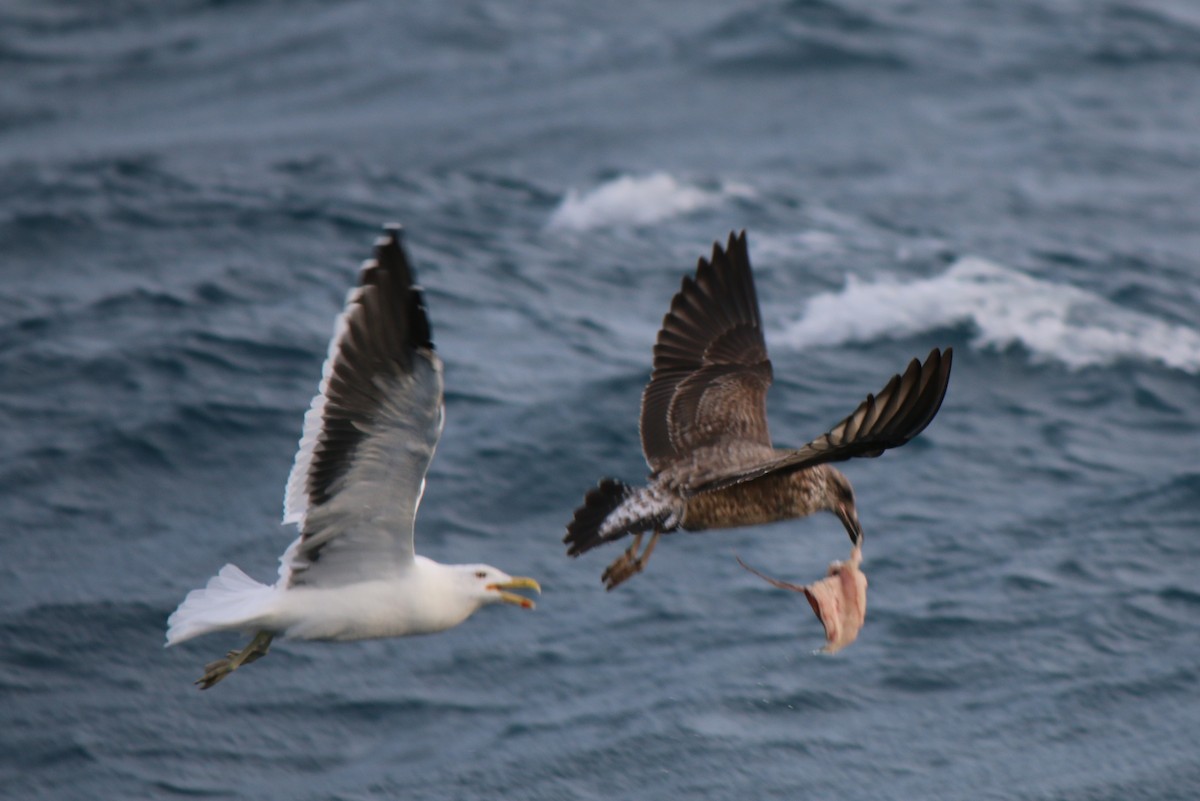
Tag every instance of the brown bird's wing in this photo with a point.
(901, 410)
(711, 370)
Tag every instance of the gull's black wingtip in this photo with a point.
(393, 236)
(389, 248)
(391, 258)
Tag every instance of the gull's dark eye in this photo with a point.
(480, 574)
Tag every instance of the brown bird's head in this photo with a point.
(839, 499)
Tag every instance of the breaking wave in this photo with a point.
(1005, 307)
(637, 200)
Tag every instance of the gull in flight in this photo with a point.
(704, 428)
(368, 439)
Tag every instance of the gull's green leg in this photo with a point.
(215, 671)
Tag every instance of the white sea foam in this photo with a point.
(637, 200)
(1053, 321)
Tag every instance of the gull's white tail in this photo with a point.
(230, 601)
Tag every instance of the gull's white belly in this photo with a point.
(368, 610)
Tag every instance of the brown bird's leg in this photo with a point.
(628, 564)
(215, 671)
(620, 570)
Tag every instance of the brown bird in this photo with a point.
(704, 428)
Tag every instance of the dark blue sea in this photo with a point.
(187, 189)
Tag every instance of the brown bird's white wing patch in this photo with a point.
(839, 600)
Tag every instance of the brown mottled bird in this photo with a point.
(704, 428)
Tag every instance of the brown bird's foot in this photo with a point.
(215, 671)
(629, 564)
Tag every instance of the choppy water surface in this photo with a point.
(186, 190)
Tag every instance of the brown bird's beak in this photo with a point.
(849, 517)
(517, 583)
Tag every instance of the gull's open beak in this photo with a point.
(849, 517)
(517, 583)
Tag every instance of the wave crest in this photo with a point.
(637, 200)
(1054, 322)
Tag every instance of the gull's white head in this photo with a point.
(490, 585)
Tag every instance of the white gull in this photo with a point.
(353, 492)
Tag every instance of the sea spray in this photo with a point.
(1005, 307)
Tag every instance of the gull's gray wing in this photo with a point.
(711, 371)
(370, 433)
(901, 411)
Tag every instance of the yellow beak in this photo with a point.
(517, 583)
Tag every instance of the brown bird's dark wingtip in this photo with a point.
(945, 361)
(737, 239)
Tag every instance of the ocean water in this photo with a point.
(187, 188)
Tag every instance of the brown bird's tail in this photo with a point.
(584, 531)
(612, 510)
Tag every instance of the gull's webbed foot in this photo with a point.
(218, 670)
